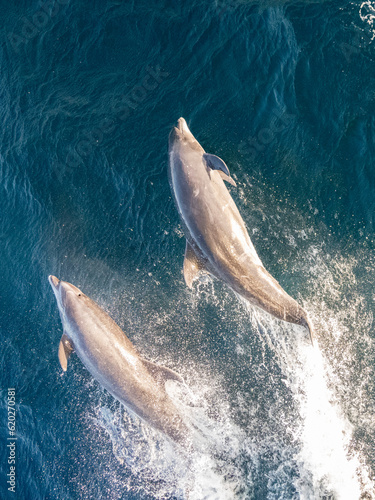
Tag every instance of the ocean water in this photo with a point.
(284, 92)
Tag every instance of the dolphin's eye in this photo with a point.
(79, 294)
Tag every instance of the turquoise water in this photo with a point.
(283, 92)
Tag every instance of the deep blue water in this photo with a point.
(284, 92)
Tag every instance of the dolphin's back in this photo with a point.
(221, 235)
(217, 233)
(112, 359)
(114, 362)
(208, 210)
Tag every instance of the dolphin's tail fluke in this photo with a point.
(307, 324)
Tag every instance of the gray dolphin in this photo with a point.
(114, 362)
(217, 239)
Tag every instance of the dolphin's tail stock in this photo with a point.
(307, 324)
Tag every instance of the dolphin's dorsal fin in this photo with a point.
(65, 350)
(216, 163)
(192, 265)
(228, 178)
(161, 374)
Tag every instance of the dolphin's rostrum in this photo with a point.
(114, 362)
(217, 239)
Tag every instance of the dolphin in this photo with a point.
(217, 240)
(114, 362)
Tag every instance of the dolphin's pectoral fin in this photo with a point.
(192, 265)
(65, 350)
(216, 163)
(161, 374)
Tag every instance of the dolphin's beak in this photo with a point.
(179, 132)
(182, 125)
(53, 281)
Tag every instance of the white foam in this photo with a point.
(325, 435)
(296, 439)
(166, 471)
(367, 13)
